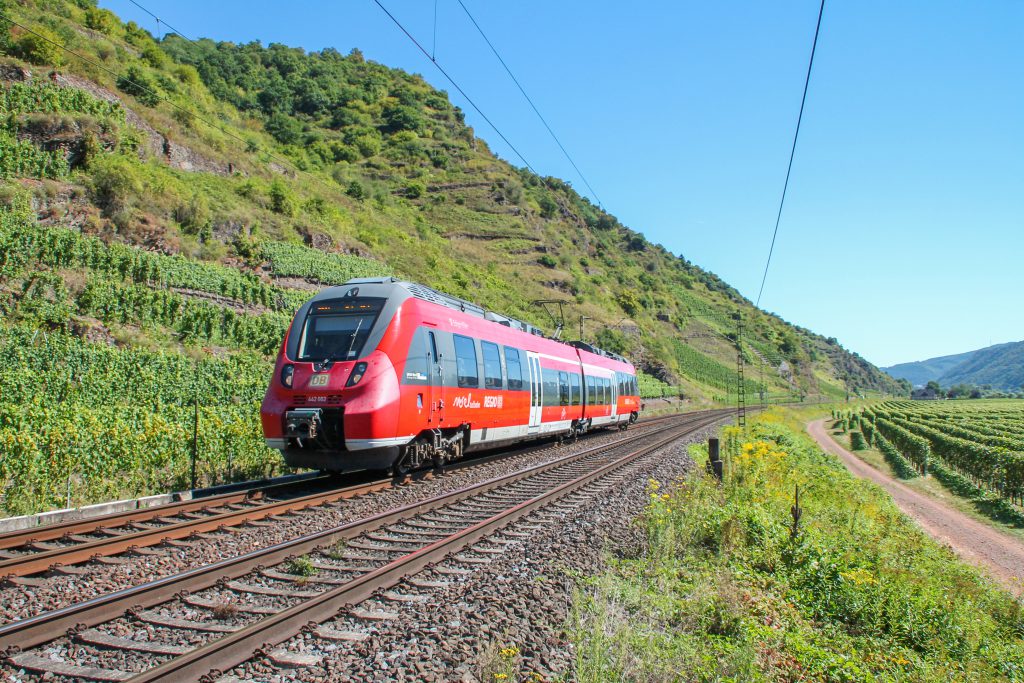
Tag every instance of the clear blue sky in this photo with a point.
(903, 233)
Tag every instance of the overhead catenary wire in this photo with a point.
(161, 21)
(529, 100)
(792, 153)
(459, 88)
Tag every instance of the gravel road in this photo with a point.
(1001, 555)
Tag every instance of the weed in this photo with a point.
(300, 566)
(225, 610)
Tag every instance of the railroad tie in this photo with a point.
(328, 633)
(157, 619)
(58, 668)
(96, 637)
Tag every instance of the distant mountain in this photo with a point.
(1001, 365)
(921, 372)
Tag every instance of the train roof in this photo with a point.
(386, 286)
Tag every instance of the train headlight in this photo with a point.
(287, 375)
(357, 374)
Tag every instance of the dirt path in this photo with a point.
(977, 543)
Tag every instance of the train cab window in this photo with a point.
(551, 395)
(465, 361)
(514, 369)
(563, 388)
(338, 337)
(636, 387)
(574, 389)
(492, 365)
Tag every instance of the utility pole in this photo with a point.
(741, 388)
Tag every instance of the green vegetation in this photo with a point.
(168, 220)
(980, 440)
(727, 588)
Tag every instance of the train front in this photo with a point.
(333, 402)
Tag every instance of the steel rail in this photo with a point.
(35, 563)
(222, 654)
(85, 525)
(41, 561)
(33, 631)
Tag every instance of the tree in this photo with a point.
(285, 129)
(933, 388)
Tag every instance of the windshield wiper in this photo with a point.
(354, 335)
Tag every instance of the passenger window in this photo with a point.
(591, 395)
(574, 387)
(465, 361)
(492, 365)
(550, 387)
(563, 388)
(514, 369)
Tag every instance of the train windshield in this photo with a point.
(337, 331)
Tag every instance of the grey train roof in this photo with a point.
(397, 291)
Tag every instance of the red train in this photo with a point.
(383, 374)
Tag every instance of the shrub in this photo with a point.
(155, 57)
(548, 206)
(115, 184)
(101, 20)
(41, 47)
(282, 200)
(415, 190)
(136, 82)
(356, 190)
(547, 261)
(857, 442)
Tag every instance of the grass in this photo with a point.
(724, 592)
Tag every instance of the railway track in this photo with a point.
(213, 618)
(60, 546)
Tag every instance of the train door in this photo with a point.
(536, 389)
(434, 386)
(615, 395)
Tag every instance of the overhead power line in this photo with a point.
(792, 153)
(528, 99)
(161, 21)
(458, 87)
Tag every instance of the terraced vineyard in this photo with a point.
(82, 421)
(982, 441)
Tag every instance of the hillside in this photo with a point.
(921, 372)
(1001, 366)
(165, 206)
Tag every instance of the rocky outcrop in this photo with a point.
(154, 143)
